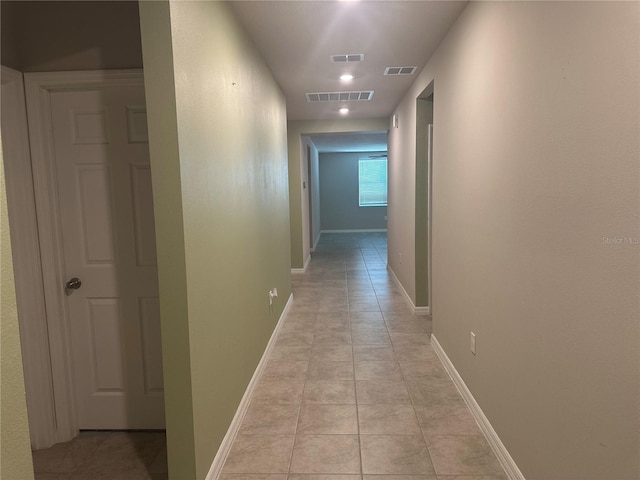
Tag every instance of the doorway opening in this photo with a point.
(352, 181)
(92, 314)
(311, 178)
(424, 195)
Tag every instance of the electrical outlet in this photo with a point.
(473, 343)
(272, 294)
(400, 258)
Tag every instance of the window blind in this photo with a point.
(372, 182)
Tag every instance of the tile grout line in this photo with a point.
(394, 359)
(304, 386)
(346, 260)
(415, 413)
(355, 389)
(413, 405)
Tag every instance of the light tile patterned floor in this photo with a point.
(353, 389)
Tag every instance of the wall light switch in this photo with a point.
(473, 343)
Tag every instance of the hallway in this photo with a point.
(353, 386)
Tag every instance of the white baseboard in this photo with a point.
(416, 310)
(298, 271)
(315, 244)
(367, 230)
(508, 464)
(234, 427)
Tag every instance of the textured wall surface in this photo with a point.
(536, 224)
(15, 448)
(217, 125)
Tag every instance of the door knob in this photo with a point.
(73, 284)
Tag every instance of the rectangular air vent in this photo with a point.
(399, 70)
(339, 96)
(349, 57)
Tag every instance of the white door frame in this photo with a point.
(25, 248)
(310, 194)
(39, 87)
(430, 214)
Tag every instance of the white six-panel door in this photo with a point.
(108, 236)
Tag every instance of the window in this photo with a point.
(372, 182)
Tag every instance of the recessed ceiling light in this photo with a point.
(347, 77)
(344, 110)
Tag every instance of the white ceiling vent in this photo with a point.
(400, 70)
(349, 57)
(339, 96)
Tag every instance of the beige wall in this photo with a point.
(401, 195)
(217, 125)
(15, 448)
(536, 169)
(298, 209)
(39, 36)
(170, 243)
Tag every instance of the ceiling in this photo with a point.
(297, 38)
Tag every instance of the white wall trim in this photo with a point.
(416, 310)
(25, 248)
(304, 197)
(39, 87)
(368, 230)
(298, 271)
(505, 459)
(315, 244)
(234, 427)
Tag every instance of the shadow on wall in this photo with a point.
(61, 36)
